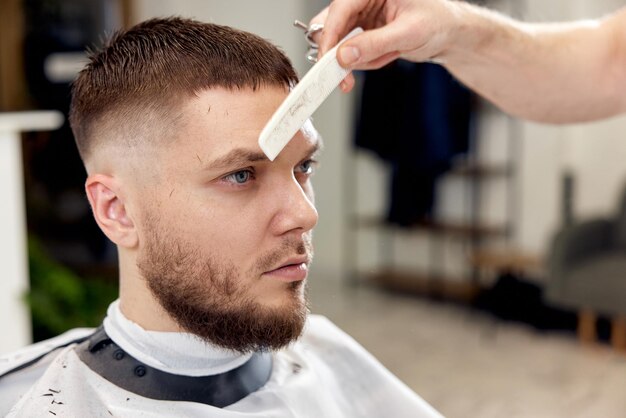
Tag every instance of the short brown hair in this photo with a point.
(158, 63)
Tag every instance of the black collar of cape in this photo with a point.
(105, 357)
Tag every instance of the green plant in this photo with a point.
(59, 299)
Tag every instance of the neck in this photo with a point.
(136, 300)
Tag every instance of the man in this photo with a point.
(214, 245)
(554, 73)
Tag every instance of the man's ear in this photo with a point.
(110, 210)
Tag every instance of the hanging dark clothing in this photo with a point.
(416, 117)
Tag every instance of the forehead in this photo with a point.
(219, 120)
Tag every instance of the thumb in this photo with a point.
(368, 47)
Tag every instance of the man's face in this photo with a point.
(225, 234)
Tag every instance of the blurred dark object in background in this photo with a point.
(57, 34)
(59, 299)
(520, 299)
(67, 250)
(417, 117)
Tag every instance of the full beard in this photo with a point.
(206, 297)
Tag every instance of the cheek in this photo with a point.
(237, 231)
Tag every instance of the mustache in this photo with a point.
(287, 249)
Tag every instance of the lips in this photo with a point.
(292, 270)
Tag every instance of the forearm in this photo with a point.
(554, 73)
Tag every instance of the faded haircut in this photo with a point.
(152, 68)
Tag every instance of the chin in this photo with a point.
(287, 295)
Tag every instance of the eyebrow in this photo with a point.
(243, 156)
(237, 156)
(315, 148)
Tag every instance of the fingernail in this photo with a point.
(349, 55)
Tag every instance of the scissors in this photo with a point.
(309, 32)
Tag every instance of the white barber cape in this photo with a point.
(324, 374)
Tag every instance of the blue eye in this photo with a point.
(306, 167)
(240, 177)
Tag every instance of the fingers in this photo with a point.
(320, 17)
(379, 62)
(370, 48)
(341, 18)
(347, 84)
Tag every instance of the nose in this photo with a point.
(295, 209)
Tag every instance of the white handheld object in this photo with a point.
(303, 100)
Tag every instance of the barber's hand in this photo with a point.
(416, 30)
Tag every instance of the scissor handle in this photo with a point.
(309, 32)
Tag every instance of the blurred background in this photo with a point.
(479, 257)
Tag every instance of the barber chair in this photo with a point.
(587, 273)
